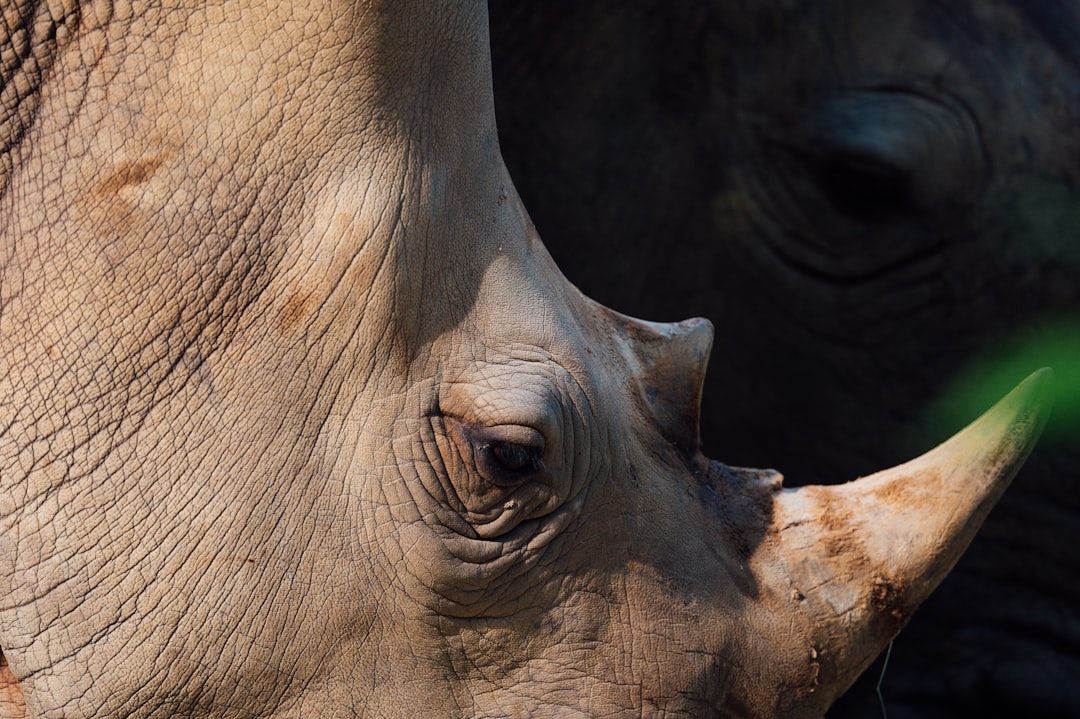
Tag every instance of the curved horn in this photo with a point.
(862, 556)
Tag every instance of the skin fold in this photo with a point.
(301, 419)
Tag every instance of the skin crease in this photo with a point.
(675, 158)
(264, 276)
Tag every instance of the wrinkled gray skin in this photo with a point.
(300, 419)
(865, 197)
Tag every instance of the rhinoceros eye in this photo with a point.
(864, 187)
(506, 463)
(514, 457)
(885, 153)
(503, 455)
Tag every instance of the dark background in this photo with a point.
(876, 205)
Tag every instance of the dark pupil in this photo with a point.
(863, 188)
(512, 456)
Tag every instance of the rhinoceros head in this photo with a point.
(300, 419)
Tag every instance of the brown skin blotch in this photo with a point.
(131, 174)
(117, 213)
(293, 311)
(12, 703)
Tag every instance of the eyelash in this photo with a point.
(516, 458)
(503, 456)
(508, 464)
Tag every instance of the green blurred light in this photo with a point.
(1050, 343)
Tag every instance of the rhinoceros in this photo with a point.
(301, 419)
(876, 204)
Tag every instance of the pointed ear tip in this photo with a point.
(700, 324)
(697, 328)
(701, 334)
(691, 338)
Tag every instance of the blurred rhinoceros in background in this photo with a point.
(877, 205)
(299, 418)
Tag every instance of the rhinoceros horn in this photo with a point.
(862, 556)
(854, 559)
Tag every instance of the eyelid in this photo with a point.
(511, 434)
(516, 457)
(478, 435)
(534, 403)
(477, 444)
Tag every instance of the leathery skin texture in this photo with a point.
(301, 419)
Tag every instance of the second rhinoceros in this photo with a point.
(876, 205)
(300, 418)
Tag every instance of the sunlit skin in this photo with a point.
(301, 419)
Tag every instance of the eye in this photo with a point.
(506, 463)
(863, 187)
(503, 455)
(514, 457)
(883, 154)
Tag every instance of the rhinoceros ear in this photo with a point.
(668, 362)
